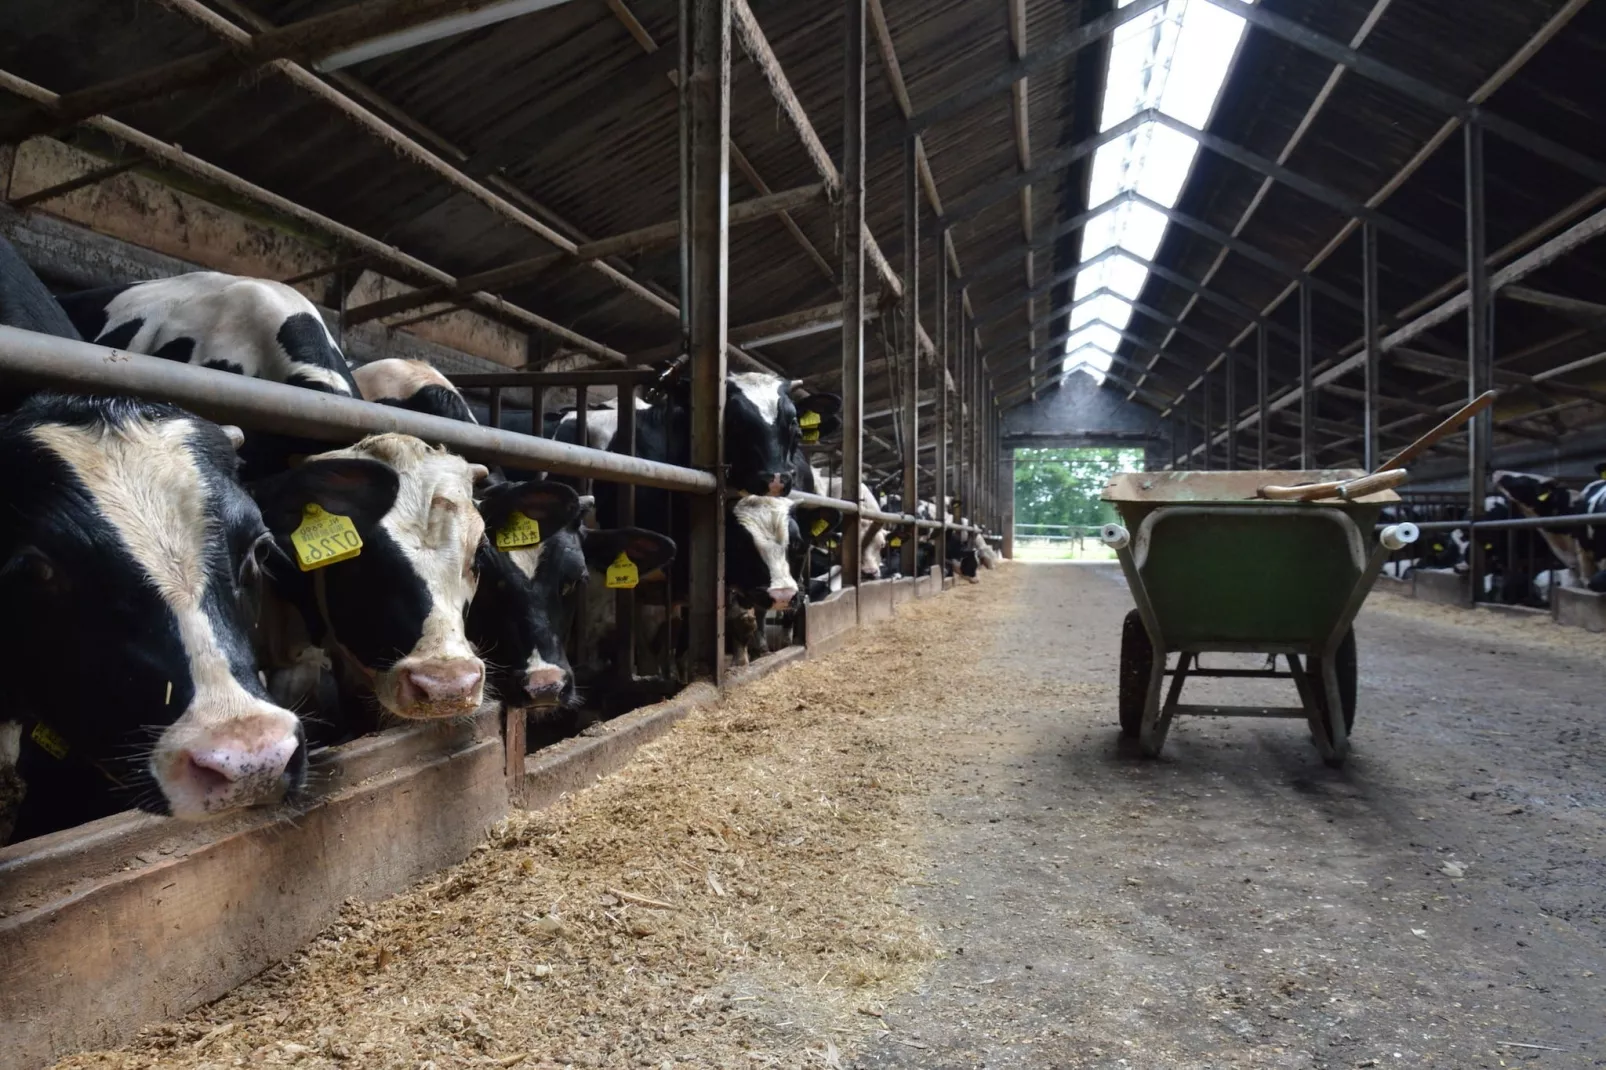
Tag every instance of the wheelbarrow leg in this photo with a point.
(1326, 718)
(1157, 716)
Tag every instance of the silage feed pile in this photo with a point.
(736, 896)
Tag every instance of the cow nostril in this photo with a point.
(210, 770)
(444, 680)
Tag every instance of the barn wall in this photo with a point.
(194, 231)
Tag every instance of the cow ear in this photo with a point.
(552, 505)
(345, 486)
(828, 407)
(648, 550)
(817, 522)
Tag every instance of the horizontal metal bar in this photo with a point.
(1241, 711)
(1571, 520)
(296, 410)
(902, 520)
(586, 377)
(1269, 674)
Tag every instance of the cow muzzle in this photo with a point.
(438, 687)
(781, 597)
(247, 760)
(545, 685)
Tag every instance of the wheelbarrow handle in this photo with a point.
(1354, 488)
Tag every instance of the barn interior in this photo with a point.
(1389, 208)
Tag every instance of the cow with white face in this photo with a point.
(872, 535)
(765, 546)
(391, 618)
(413, 385)
(129, 555)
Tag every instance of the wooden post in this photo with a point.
(910, 557)
(705, 180)
(582, 429)
(939, 458)
(1480, 349)
(853, 235)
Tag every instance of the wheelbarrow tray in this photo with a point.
(1213, 567)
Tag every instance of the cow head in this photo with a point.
(1534, 495)
(129, 556)
(413, 385)
(395, 612)
(764, 435)
(763, 537)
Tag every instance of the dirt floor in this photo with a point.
(929, 850)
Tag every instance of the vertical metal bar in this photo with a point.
(911, 353)
(939, 458)
(705, 115)
(1373, 326)
(962, 417)
(496, 406)
(852, 230)
(1307, 396)
(582, 420)
(625, 599)
(538, 412)
(1480, 346)
(1232, 411)
(1260, 397)
(1208, 428)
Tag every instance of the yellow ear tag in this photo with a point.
(809, 419)
(818, 527)
(811, 435)
(324, 538)
(1545, 497)
(517, 532)
(49, 741)
(895, 541)
(622, 574)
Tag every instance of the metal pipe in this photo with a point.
(293, 410)
(852, 230)
(579, 377)
(1209, 451)
(1571, 520)
(910, 344)
(705, 101)
(1232, 411)
(1307, 393)
(1372, 322)
(625, 597)
(1480, 344)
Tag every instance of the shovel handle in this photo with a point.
(1354, 488)
(1439, 433)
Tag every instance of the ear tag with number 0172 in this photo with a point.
(517, 532)
(895, 542)
(622, 574)
(324, 538)
(810, 423)
(818, 527)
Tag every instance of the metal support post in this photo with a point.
(1232, 411)
(1307, 394)
(910, 558)
(1205, 404)
(705, 191)
(852, 231)
(1260, 397)
(939, 460)
(625, 598)
(1480, 347)
(1373, 326)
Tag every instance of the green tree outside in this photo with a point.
(1062, 486)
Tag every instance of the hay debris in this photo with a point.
(734, 897)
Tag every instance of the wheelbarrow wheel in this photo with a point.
(1345, 665)
(1137, 664)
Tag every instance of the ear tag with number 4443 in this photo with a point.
(810, 423)
(517, 532)
(622, 574)
(324, 538)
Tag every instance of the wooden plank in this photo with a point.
(87, 967)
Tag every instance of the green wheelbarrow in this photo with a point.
(1215, 563)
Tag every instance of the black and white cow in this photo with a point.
(1580, 549)
(413, 385)
(525, 605)
(767, 541)
(129, 555)
(254, 327)
(24, 301)
(391, 619)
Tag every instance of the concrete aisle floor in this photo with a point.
(1441, 901)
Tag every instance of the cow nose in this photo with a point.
(544, 683)
(240, 762)
(450, 682)
(781, 597)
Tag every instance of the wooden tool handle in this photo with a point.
(1439, 433)
(1354, 488)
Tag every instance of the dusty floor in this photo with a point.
(927, 850)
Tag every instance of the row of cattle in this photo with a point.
(1522, 565)
(194, 609)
